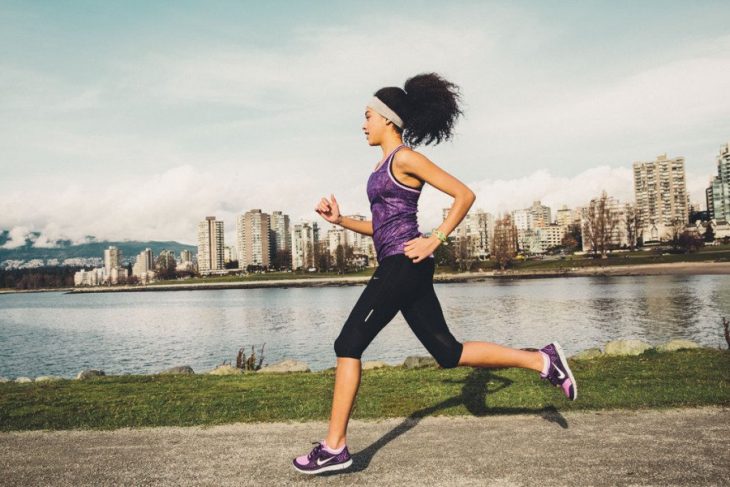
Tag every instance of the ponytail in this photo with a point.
(429, 106)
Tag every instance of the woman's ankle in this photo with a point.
(335, 445)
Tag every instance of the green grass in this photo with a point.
(652, 380)
(267, 276)
(719, 254)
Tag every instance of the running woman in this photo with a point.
(423, 112)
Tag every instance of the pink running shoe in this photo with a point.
(558, 372)
(323, 459)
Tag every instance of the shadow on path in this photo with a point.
(474, 395)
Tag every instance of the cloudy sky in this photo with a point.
(135, 120)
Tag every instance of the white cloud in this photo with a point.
(16, 237)
(168, 205)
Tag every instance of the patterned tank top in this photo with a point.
(394, 207)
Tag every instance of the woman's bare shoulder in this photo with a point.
(408, 159)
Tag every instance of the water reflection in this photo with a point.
(54, 333)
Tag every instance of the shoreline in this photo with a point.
(673, 268)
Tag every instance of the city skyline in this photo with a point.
(159, 114)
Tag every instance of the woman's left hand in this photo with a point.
(420, 247)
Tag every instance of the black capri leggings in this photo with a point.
(400, 285)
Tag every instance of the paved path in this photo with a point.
(675, 447)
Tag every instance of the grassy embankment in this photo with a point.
(720, 253)
(652, 380)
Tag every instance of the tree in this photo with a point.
(462, 248)
(709, 235)
(504, 243)
(444, 255)
(165, 265)
(690, 241)
(633, 225)
(572, 238)
(281, 259)
(599, 225)
(676, 232)
(340, 262)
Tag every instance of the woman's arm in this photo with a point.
(364, 227)
(419, 166)
(330, 211)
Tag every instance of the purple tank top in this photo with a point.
(394, 207)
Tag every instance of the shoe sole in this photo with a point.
(328, 468)
(567, 370)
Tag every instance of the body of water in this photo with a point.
(61, 334)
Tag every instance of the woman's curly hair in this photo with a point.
(429, 106)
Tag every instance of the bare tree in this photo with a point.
(599, 225)
(504, 243)
(676, 233)
(633, 225)
(464, 252)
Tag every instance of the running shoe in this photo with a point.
(558, 372)
(322, 459)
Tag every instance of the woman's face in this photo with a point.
(374, 127)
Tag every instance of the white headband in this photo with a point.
(384, 110)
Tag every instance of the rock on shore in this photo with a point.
(48, 378)
(179, 370)
(673, 345)
(89, 373)
(288, 365)
(626, 347)
(418, 361)
(225, 370)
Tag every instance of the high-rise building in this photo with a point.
(564, 216)
(335, 237)
(186, 261)
(210, 245)
(304, 239)
(144, 267)
(718, 193)
(539, 215)
(521, 219)
(252, 233)
(112, 259)
(475, 231)
(661, 196)
(280, 239)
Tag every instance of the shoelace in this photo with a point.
(315, 451)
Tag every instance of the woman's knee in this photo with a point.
(449, 357)
(346, 346)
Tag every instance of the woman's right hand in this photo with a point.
(330, 211)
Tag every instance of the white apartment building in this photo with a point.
(112, 259)
(565, 216)
(144, 266)
(718, 193)
(93, 277)
(521, 219)
(252, 233)
(478, 228)
(539, 215)
(661, 196)
(280, 233)
(210, 245)
(335, 236)
(304, 238)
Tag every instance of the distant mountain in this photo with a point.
(64, 249)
